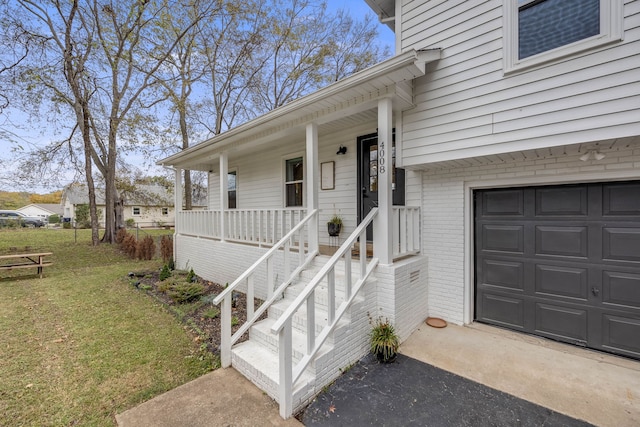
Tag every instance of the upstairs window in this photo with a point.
(165, 211)
(538, 31)
(136, 211)
(294, 182)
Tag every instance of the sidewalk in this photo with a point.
(220, 398)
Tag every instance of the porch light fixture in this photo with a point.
(595, 154)
(342, 150)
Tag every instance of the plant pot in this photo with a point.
(382, 359)
(334, 229)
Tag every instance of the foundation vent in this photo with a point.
(414, 277)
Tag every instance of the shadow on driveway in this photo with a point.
(411, 393)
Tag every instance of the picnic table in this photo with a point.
(29, 260)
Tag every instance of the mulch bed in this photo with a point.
(206, 329)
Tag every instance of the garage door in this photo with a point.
(561, 262)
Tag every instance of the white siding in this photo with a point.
(467, 107)
(260, 178)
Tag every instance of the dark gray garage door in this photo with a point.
(561, 262)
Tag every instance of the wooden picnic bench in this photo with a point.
(9, 262)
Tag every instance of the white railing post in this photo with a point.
(347, 275)
(311, 322)
(225, 333)
(224, 193)
(331, 295)
(363, 253)
(250, 300)
(286, 370)
(269, 277)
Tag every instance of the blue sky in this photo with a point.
(358, 8)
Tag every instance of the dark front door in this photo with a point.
(368, 178)
(561, 262)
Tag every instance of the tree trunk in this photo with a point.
(185, 144)
(111, 194)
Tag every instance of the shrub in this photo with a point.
(165, 285)
(120, 235)
(211, 313)
(191, 276)
(145, 248)
(185, 292)
(165, 273)
(66, 225)
(166, 249)
(54, 219)
(83, 219)
(130, 222)
(129, 245)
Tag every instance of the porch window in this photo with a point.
(136, 211)
(541, 30)
(294, 182)
(232, 188)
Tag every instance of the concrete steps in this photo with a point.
(257, 358)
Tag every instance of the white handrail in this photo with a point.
(283, 326)
(226, 339)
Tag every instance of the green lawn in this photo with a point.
(81, 344)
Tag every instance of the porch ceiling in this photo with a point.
(338, 105)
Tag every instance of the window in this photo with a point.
(165, 211)
(294, 182)
(136, 211)
(538, 31)
(232, 188)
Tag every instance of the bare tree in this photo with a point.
(310, 48)
(185, 68)
(71, 36)
(110, 56)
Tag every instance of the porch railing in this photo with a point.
(294, 263)
(199, 223)
(289, 373)
(261, 226)
(406, 231)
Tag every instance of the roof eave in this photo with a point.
(413, 60)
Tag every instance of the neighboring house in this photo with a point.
(147, 206)
(513, 198)
(42, 210)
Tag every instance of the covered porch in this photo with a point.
(267, 175)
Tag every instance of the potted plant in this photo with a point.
(384, 341)
(334, 226)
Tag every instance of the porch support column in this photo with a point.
(382, 230)
(177, 206)
(178, 191)
(224, 194)
(312, 180)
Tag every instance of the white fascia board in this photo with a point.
(413, 61)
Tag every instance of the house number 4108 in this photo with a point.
(381, 167)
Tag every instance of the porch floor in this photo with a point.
(355, 252)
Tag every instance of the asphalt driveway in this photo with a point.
(412, 393)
